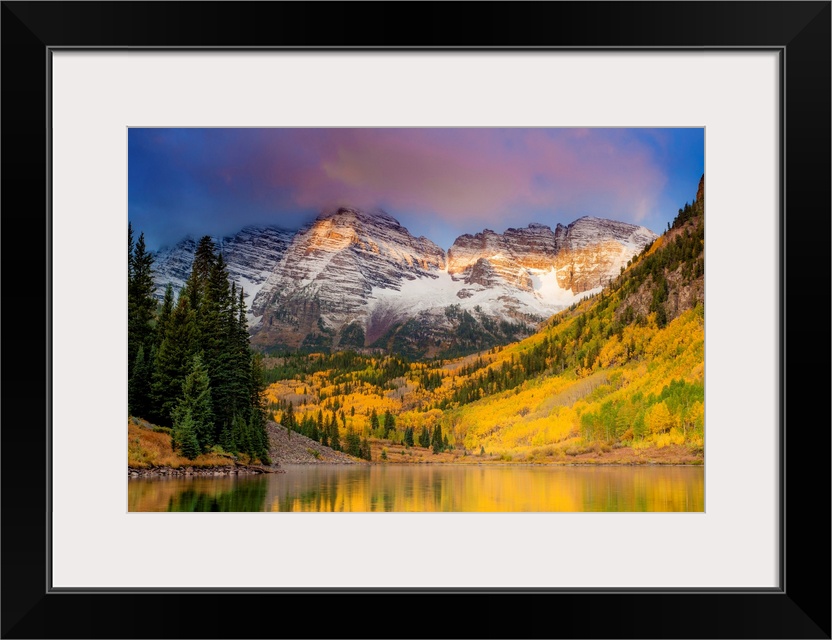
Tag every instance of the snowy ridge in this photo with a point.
(352, 268)
(251, 255)
(590, 230)
(544, 298)
(331, 267)
(591, 251)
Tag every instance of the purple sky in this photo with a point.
(439, 183)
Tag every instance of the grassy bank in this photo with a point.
(150, 446)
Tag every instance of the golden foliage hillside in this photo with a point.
(619, 375)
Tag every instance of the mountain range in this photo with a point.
(359, 279)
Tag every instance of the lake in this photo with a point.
(424, 487)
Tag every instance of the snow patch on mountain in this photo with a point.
(443, 290)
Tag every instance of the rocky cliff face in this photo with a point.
(251, 255)
(326, 279)
(591, 251)
(583, 255)
(510, 256)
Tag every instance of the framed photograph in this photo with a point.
(112, 113)
(302, 348)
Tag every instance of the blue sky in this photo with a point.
(439, 183)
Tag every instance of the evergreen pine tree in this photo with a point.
(173, 361)
(389, 423)
(258, 407)
(216, 324)
(130, 246)
(196, 404)
(288, 418)
(353, 443)
(185, 436)
(163, 319)
(364, 450)
(138, 396)
(238, 434)
(204, 258)
(227, 439)
(436, 439)
(334, 436)
(243, 435)
(141, 304)
(259, 440)
(248, 384)
(373, 420)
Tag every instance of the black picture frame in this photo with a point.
(799, 608)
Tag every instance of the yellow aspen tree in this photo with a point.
(658, 418)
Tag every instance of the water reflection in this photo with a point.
(425, 488)
(198, 494)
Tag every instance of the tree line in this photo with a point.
(190, 365)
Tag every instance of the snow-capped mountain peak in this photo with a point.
(359, 278)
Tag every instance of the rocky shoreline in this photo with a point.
(228, 470)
